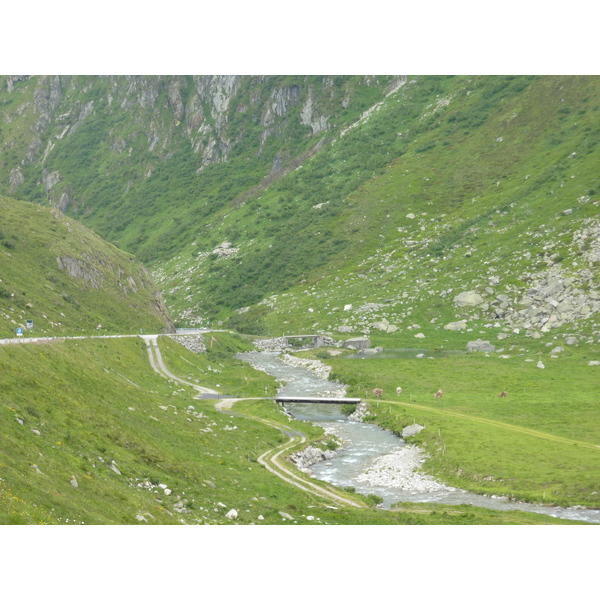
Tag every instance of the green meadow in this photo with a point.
(89, 432)
(539, 443)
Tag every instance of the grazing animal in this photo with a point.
(378, 392)
(438, 394)
(398, 390)
(502, 394)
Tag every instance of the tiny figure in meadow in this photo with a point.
(377, 392)
(438, 394)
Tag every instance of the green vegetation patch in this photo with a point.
(67, 280)
(539, 443)
(91, 434)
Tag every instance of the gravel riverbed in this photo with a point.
(401, 469)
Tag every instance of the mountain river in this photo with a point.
(375, 461)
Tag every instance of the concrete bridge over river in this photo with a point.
(316, 400)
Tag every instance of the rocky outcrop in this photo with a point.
(84, 111)
(16, 179)
(47, 98)
(225, 250)
(311, 117)
(310, 456)
(359, 343)
(50, 179)
(480, 346)
(205, 104)
(282, 100)
(12, 79)
(194, 343)
(32, 153)
(175, 100)
(81, 269)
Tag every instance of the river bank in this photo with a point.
(374, 461)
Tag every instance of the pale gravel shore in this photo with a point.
(401, 469)
(316, 367)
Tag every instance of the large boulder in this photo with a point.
(359, 343)
(310, 456)
(456, 326)
(553, 287)
(480, 346)
(376, 350)
(412, 430)
(468, 299)
(382, 325)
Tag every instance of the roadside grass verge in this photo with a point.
(217, 368)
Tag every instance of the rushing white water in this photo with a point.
(375, 461)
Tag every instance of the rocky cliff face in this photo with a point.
(154, 116)
(394, 195)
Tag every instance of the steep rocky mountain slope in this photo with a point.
(332, 204)
(66, 280)
(486, 216)
(147, 161)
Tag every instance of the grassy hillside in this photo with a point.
(148, 161)
(333, 190)
(424, 212)
(64, 278)
(453, 181)
(89, 433)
